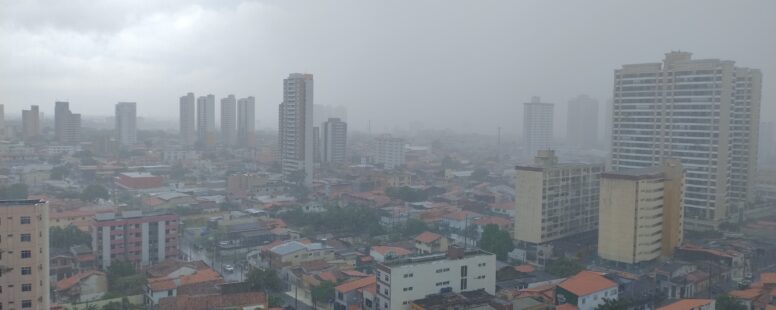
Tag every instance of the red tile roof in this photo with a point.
(525, 268)
(356, 284)
(201, 276)
(586, 283)
(328, 276)
(686, 304)
(205, 302)
(427, 237)
(383, 250)
(566, 307)
(67, 283)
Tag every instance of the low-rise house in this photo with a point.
(81, 287)
(246, 301)
(351, 293)
(586, 290)
(429, 242)
(760, 295)
(382, 253)
(293, 253)
(479, 299)
(203, 281)
(690, 304)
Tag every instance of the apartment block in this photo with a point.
(141, 239)
(31, 122)
(188, 119)
(403, 280)
(24, 244)
(640, 213)
(229, 120)
(335, 140)
(538, 125)
(556, 200)
(296, 126)
(703, 112)
(389, 151)
(126, 123)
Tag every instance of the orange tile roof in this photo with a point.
(566, 307)
(355, 284)
(768, 277)
(204, 302)
(525, 268)
(372, 289)
(586, 283)
(67, 283)
(751, 293)
(328, 276)
(201, 276)
(686, 304)
(383, 250)
(427, 237)
(354, 273)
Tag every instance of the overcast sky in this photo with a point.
(463, 65)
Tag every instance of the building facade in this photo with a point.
(31, 122)
(389, 152)
(25, 246)
(246, 121)
(403, 280)
(703, 112)
(537, 125)
(188, 119)
(335, 141)
(229, 120)
(640, 213)
(134, 237)
(296, 126)
(556, 200)
(126, 123)
(582, 122)
(206, 120)
(67, 126)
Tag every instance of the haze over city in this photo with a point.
(463, 66)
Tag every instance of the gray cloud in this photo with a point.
(463, 65)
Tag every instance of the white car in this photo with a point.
(228, 268)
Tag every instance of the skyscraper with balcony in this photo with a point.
(126, 123)
(206, 120)
(246, 121)
(537, 125)
(25, 254)
(335, 140)
(138, 238)
(703, 112)
(31, 122)
(188, 119)
(228, 120)
(582, 122)
(296, 126)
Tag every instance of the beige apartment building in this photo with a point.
(641, 213)
(555, 200)
(24, 254)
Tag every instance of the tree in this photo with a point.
(726, 302)
(59, 173)
(496, 241)
(414, 227)
(323, 292)
(564, 267)
(93, 192)
(479, 174)
(613, 304)
(263, 280)
(407, 194)
(15, 191)
(64, 238)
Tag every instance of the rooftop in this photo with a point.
(355, 284)
(686, 304)
(21, 202)
(426, 258)
(586, 283)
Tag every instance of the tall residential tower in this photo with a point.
(582, 122)
(206, 120)
(228, 120)
(296, 126)
(703, 112)
(537, 125)
(126, 123)
(188, 119)
(246, 121)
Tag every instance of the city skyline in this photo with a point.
(516, 77)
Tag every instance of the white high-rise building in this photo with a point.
(537, 125)
(31, 122)
(582, 122)
(389, 151)
(2, 121)
(126, 123)
(188, 119)
(296, 126)
(335, 136)
(67, 126)
(206, 120)
(228, 120)
(246, 121)
(702, 112)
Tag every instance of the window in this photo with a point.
(463, 284)
(26, 287)
(26, 254)
(442, 270)
(26, 303)
(464, 270)
(408, 275)
(26, 271)
(25, 219)
(26, 237)
(340, 296)
(407, 289)
(169, 293)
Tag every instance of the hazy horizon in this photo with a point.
(463, 66)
